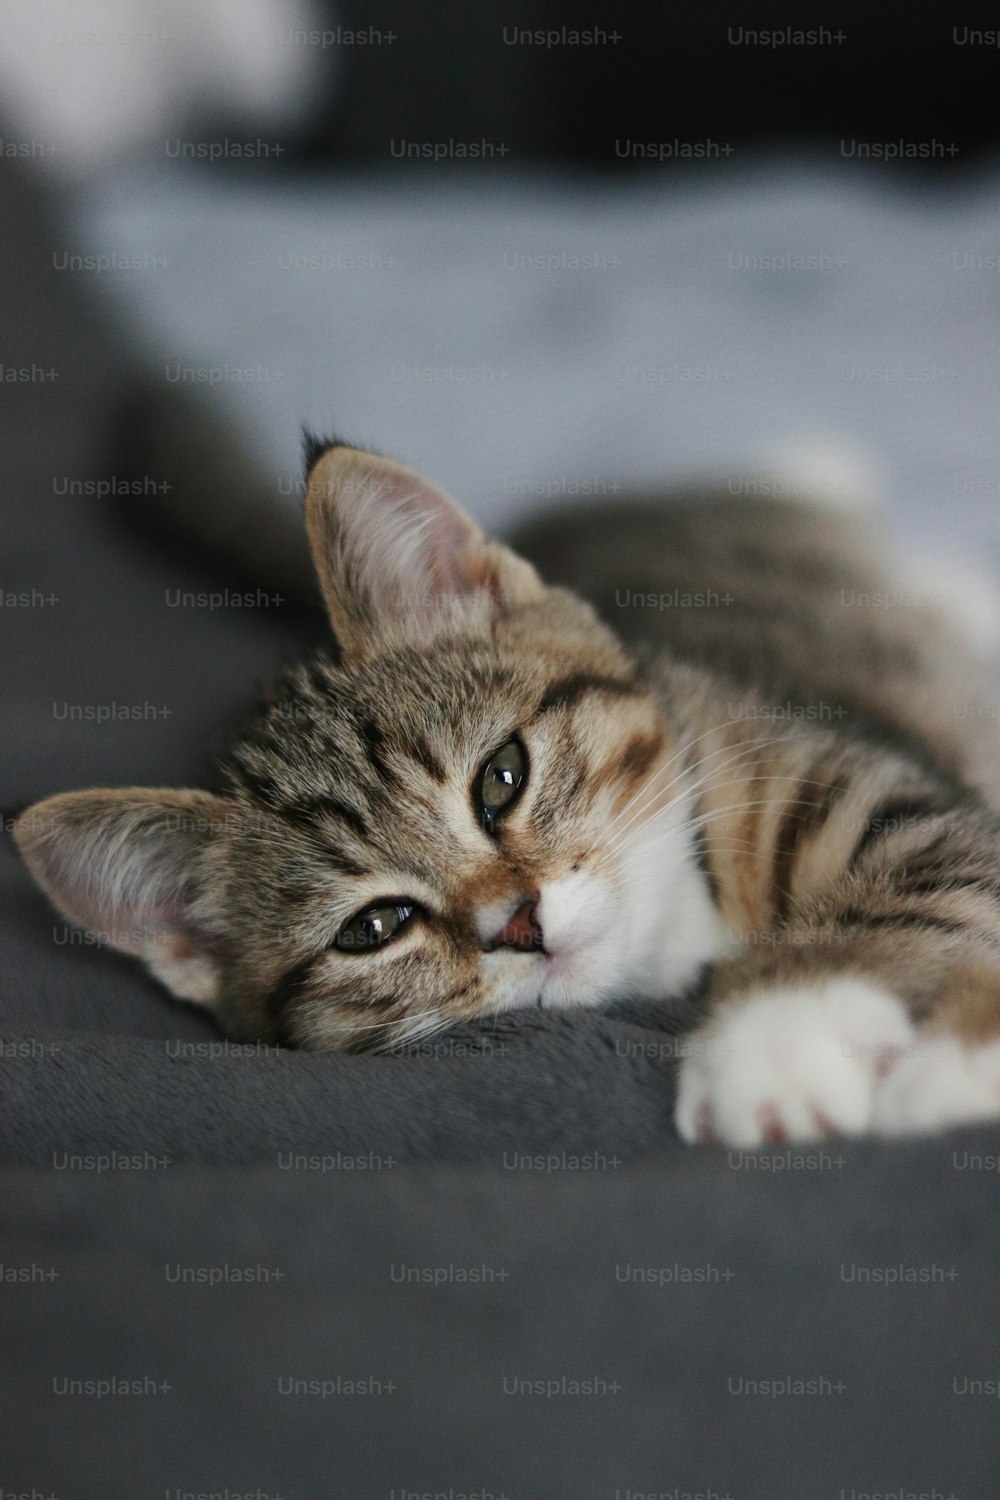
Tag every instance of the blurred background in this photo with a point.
(537, 251)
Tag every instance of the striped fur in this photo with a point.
(770, 778)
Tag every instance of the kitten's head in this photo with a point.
(445, 823)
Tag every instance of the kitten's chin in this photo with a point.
(581, 976)
(559, 981)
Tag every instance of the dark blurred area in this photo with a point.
(562, 86)
(652, 73)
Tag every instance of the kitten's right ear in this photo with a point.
(129, 866)
(392, 551)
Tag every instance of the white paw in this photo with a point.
(939, 1081)
(791, 1064)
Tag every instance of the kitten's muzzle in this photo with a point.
(522, 930)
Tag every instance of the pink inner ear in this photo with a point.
(452, 569)
(442, 559)
(124, 920)
(387, 544)
(120, 862)
(485, 576)
(455, 558)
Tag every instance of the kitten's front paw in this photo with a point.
(940, 1081)
(794, 1063)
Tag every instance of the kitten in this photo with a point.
(486, 801)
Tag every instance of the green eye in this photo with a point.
(499, 781)
(373, 927)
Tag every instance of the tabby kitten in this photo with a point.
(486, 801)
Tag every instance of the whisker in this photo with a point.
(706, 819)
(753, 742)
(754, 746)
(617, 880)
(618, 847)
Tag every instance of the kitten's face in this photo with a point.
(451, 853)
(451, 822)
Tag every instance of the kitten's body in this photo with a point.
(788, 783)
(793, 603)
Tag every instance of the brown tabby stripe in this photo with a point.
(308, 809)
(374, 743)
(803, 816)
(576, 783)
(569, 690)
(852, 916)
(640, 753)
(338, 860)
(421, 752)
(944, 881)
(260, 784)
(890, 816)
(701, 856)
(284, 995)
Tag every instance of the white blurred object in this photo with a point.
(837, 475)
(90, 80)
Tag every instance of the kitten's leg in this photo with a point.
(842, 1056)
(843, 1053)
(792, 1062)
(951, 1074)
(874, 1002)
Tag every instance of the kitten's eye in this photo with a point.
(373, 927)
(500, 780)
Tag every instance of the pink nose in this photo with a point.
(522, 930)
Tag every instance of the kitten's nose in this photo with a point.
(522, 930)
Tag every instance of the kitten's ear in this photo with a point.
(129, 866)
(391, 549)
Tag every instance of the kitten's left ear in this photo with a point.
(391, 549)
(130, 867)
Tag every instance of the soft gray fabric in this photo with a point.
(545, 1083)
(892, 1410)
